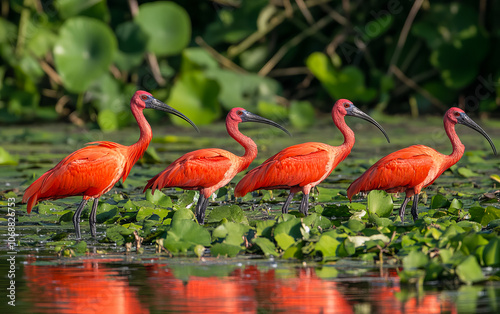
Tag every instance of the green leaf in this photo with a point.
(380, 203)
(302, 114)
(6, 158)
(469, 270)
(467, 173)
(184, 213)
(439, 201)
(159, 198)
(107, 120)
(168, 26)
(230, 212)
(267, 247)
(328, 247)
(83, 52)
(265, 228)
(484, 215)
(287, 232)
(491, 253)
(272, 110)
(349, 82)
(132, 42)
(91, 8)
(196, 96)
(416, 259)
(224, 249)
(184, 235)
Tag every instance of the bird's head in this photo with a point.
(456, 115)
(144, 100)
(239, 115)
(344, 107)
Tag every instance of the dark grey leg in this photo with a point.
(93, 218)
(304, 204)
(201, 208)
(284, 209)
(414, 207)
(76, 218)
(402, 209)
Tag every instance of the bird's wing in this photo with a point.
(199, 169)
(91, 171)
(297, 165)
(395, 172)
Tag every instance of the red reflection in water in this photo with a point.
(247, 291)
(89, 287)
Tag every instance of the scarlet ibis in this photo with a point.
(303, 166)
(93, 170)
(206, 170)
(413, 168)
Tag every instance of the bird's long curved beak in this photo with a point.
(355, 112)
(160, 105)
(251, 117)
(473, 125)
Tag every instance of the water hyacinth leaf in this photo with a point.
(224, 249)
(83, 52)
(327, 246)
(107, 120)
(230, 212)
(317, 221)
(484, 215)
(380, 203)
(167, 25)
(415, 259)
(294, 251)
(439, 201)
(187, 198)
(231, 233)
(469, 270)
(119, 235)
(108, 214)
(265, 228)
(184, 235)
(183, 213)
(491, 252)
(271, 110)
(196, 96)
(267, 247)
(159, 198)
(132, 42)
(287, 232)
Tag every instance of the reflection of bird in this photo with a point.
(206, 170)
(413, 168)
(93, 170)
(302, 167)
(88, 286)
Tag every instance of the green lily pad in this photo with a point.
(230, 212)
(469, 270)
(184, 235)
(380, 203)
(491, 253)
(83, 52)
(266, 246)
(168, 26)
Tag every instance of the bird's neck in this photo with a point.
(458, 147)
(346, 132)
(246, 142)
(137, 150)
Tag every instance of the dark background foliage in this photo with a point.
(80, 60)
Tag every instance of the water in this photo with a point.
(152, 284)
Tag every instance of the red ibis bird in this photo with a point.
(301, 167)
(413, 168)
(207, 170)
(93, 170)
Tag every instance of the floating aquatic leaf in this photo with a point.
(184, 235)
(469, 270)
(267, 247)
(380, 203)
(230, 212)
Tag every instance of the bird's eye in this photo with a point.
(144, 97)
(239, 112)
(457, 114)
(347, 105)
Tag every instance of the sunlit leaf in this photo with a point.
(168, 26)
(380, 203)
(469, 270)
(184, 235)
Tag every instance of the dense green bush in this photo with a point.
(82, 60)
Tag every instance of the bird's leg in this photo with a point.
(402, 209)
(304, 204)
(414, 207)
(284, 209)
(93, 218)
(201, 208)
(76, 217)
